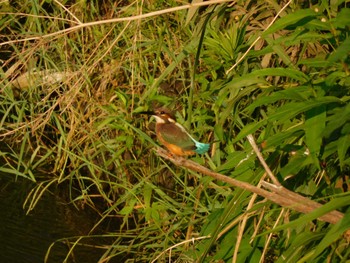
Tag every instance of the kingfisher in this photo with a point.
(174, 136)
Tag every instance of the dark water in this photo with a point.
(26, 238)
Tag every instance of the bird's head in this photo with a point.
(164, 115)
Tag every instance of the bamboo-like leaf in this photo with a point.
(303, 36)
(249, 129)
(314, 62)
(85, 135)
(335, 232)
(291, 110)
(338, 117)
(279, 138)
(343, 19)
(301, 240)
(342, 149)
(243, 81)
(232, 161)
(295, 164)
(128, 208)
(15, 172)
(314, 126)
(297, 18)
(285, 72)
(342, 52)
(300, 93)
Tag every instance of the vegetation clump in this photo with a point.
(76, 74)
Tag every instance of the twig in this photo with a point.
(278, 195)
(262, 161)
(115, 20)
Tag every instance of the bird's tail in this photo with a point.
(201, 148)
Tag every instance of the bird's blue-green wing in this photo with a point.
(200, 148)
(176, 135)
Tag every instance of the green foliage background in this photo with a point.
(75, 121)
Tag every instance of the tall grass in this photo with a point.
(74, 76)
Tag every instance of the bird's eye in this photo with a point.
(162, 112)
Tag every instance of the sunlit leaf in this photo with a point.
(314, 126)
(335, 232)
(291, 110)
(249, 129)
(233, 160)
(343, 18)
(295, 19)
(300, 93)
(342, 52)
(343, 146)
(286, 72)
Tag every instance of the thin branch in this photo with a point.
(278, 195)
(262, 161)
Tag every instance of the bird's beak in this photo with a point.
(153, 115)
(147, 112)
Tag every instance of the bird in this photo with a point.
(174, 136)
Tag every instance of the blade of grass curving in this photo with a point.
(297, 245)
(22, 150)
(222, 221)
(250, 128)
(61, 156)
(343, 145)
(285, 72)
(139, 132)
(280, 51)
(292, 109)
(36, 194)
(14, 171)
(334, 233)
(151, 91)
(196, 63)
(44, 159)
(315, 124)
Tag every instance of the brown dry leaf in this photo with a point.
(265, 62)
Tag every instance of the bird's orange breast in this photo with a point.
(174, 149)
(171, 130)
